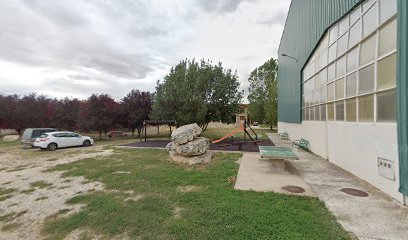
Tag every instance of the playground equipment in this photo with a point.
(243, 127)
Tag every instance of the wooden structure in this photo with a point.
(157, 123)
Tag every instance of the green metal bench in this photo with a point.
(284, 136)
(272, 152)
(302, 143)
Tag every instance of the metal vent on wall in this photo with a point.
(386, 168)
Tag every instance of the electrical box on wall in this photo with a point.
(386, 168)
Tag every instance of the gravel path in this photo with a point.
(36, 194)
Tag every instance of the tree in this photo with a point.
(263, 93)
(66, 114)
(197, 92)
(32, 111)
(135, 108)
(8, 104)
(99, 114)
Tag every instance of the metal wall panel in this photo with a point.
(306, 22)
(402, 98)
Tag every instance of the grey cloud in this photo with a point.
(221, 5)
(124, 41)
(120, 38)
(269, 19)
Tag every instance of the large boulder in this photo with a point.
(200, 159)
(185, 133)
(10, 138)
(196, 147)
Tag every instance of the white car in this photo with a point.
(54, 140)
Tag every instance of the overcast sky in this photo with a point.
(75, 48)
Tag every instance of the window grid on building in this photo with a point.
(351, 76)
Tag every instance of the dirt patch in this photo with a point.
(189, 188)
(177, 212)
(134, 199)
(38, 193)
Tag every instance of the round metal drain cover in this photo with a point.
(293, 189)
(354, 192)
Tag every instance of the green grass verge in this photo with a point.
(147, 203)
(6, 193)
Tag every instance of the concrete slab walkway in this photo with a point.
(257, 175)
(374, 217)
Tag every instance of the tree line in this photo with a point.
(100, 112)
(193, 91)
(263, 93)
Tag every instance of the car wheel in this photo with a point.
(52, 146)
(86, 143)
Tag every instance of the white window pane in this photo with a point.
(342, 44)
(366, 80)
(340, 111)
(366, 108)
(355, 15)
(307, 100)
(343, 25)
(316, 97)
(387, 9)
(323, 76)
(370, 20)
(351, 110)
(355, 34)
(311, 114)
(306, 114)
(330, 111)
(387, 72)
(367, 4)
(333, 34)
(341, 67)
(317, 81)
(332, 52)
(386, 106)
(352, 60)
(323, 112)
(388, 38)
(317, 113)
(317, 64)
(325, 41)
(323, 94)
(351, 85)
(331, 75)
(323, 59)
(330, 92)
(303, 114)
(340, 89)
(367, 50)
(312, 68)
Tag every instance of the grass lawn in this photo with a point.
(148, 197)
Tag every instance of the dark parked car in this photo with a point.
(30, 134)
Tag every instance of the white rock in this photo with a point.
(200, 159)
(10, 138)
(196, 147)
(185, 133)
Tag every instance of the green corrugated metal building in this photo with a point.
(342, 84)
